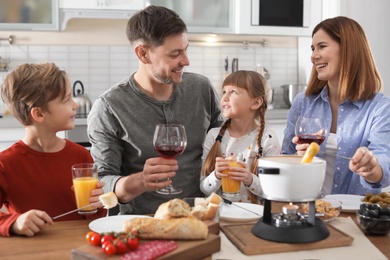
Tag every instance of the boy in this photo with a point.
(35, 172)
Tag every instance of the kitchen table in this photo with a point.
(57, 241)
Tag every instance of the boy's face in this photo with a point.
(60, 112)
(167, 61)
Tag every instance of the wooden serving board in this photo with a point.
(242, 237)
(187, 249)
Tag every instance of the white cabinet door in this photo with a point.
(203, 16)
(103, 4)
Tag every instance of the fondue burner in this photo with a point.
(290, 226)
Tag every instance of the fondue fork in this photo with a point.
(231, 203)
(69, 212)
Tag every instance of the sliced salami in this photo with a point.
(150, 250)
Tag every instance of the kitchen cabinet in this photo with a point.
(203, 16)
(234, 17)
(100, 9)
(103, 4)
(29, 15)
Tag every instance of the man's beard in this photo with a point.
(163, 79)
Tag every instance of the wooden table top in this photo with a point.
(58, 240)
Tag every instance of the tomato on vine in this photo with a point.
(93, 238)
(121, 246)
(107, 237)
(109, 248)
(133, 242)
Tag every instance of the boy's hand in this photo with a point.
(31, 222)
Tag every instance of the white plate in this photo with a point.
(234, 213)
(351, 203)
(111, 223)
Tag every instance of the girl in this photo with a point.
(244, 105)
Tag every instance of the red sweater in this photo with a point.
(35, 180)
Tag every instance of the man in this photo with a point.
(122, 121)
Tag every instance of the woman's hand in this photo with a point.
(301, 148)
(30, 223)
(365, 164)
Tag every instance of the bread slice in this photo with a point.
(206, 208)
(175, 208)
(109, 199)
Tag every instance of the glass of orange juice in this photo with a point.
(85, 179)
(229, 186)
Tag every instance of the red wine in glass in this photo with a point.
(307, 139)
(169, 151)
(169, 141)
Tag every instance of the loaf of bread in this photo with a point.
(175, 208)
(186, 228)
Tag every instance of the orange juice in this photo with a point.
(82, 189)
(228, 185)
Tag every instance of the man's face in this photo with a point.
(167, 61)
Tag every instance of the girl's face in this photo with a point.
(326, 57)
(60, 112)
(237, 103)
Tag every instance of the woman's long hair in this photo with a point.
(359, 76)
(255, 85)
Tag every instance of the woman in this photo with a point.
(344, 89)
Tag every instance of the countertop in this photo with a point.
(8, 121)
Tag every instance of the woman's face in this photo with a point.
(326, 57)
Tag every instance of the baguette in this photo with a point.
(188, 228)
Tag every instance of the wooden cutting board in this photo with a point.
(189, 249)
(195, 249)
(241, 236)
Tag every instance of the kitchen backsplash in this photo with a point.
(99, 67)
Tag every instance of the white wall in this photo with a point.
(374, 17)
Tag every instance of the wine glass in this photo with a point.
(310, 129)
(169, 141)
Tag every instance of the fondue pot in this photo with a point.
(285, 178)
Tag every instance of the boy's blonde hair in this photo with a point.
(32, 85)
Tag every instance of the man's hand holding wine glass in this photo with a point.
(158, 172)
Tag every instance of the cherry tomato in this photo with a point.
(133, 243)
(107, 237)
(93, 238)
(121, 247)
(109, 248)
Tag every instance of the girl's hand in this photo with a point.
(365, 164)
(221, 164)
(242, 174)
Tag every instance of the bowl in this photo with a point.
(374, 218)
(285, 178)
(330, 208)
